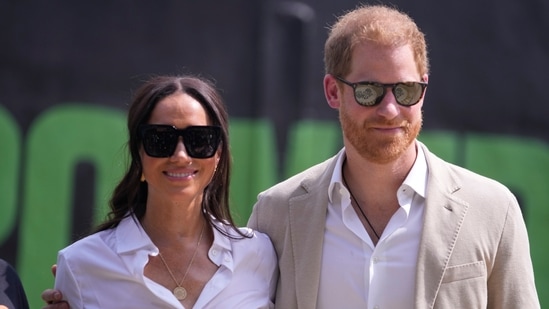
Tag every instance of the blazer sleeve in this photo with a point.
(511, 283)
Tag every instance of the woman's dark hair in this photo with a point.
(130, 195)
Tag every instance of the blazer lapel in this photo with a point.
(307, 225)
(444, 215)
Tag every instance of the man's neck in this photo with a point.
(376, 181)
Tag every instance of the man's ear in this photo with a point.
(331, 91)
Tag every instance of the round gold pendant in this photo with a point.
(180, 293)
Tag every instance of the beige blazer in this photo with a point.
(474, 250)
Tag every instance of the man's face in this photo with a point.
(381, 133)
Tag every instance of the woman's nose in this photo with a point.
(180, 151)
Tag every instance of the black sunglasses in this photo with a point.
(372, 93)
(160, 141)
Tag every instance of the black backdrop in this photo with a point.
(489, 57)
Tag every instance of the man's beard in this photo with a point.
(374, 146)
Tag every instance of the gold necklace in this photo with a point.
(180, 292)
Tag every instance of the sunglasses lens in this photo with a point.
(408, 93)
(201, 141)
(159, 141)
(368, 94)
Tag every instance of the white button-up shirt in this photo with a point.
(354, 272)
(105, 270)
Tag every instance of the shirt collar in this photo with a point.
(221, 251)
(416, 179)
(337, 180)
(221, 240)
(130, 237)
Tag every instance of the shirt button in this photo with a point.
(376, 307)
(214, 251)
(375, 261)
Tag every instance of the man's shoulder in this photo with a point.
(304, 179)
(469, 182)
(441, 166)
(470, 177)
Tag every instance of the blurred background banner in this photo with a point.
(68, 70)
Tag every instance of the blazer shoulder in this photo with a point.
(272, 206)
(302, 182)
(450, 173)
(467, 185)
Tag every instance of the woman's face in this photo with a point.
(178, 178)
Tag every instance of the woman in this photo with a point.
(170, 241)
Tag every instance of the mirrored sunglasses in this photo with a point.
(372, 93)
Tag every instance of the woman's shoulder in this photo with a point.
(246, 238)
(126, 236)
(90, 243)
(254, 235)
(256, 242)
(255, 249)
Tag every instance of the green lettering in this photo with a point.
(311, 142)
(59, 139)
(254, 164)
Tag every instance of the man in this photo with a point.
(385, 223)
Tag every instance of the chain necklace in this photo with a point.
(180, 292)
(358, 205)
